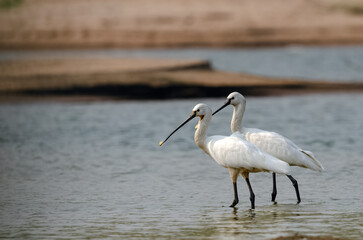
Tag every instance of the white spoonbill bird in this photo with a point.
(236, 154)
(270, 142)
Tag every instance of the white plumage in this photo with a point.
(232, 152)
(281, 147)
(270, 142)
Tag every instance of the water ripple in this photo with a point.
(95, 170)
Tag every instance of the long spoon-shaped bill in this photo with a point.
(224, 105)
(181, 125)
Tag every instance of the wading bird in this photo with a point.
(270, 142)
(236, 154)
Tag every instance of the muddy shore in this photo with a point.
(179, 23)
(142, 79)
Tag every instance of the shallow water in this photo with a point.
(95, 170)
(327, 63)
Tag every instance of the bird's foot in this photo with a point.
(273, 196)
(234, 203)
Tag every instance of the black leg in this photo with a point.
(235, 201)
(274, 188)
(296, 186)
(252, 195)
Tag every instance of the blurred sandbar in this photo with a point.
(143, 79)
(179, 23)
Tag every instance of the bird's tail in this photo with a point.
(317, 166)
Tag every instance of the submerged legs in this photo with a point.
(296, 186)
(274, 188)
(252, 195)
(234, 175)
(233, 172)
(235, 201)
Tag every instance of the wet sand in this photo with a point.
(91, 79)
(180, 23)
(304, 237)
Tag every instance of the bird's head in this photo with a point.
(200, 110)
(236, 98)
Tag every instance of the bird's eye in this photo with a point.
(198, 110)
(232, 98)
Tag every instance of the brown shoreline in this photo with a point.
(102, 79)
(40, 24)
(254, 37)
(306, 237)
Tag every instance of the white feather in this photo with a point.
(233, 152)
(270, 142)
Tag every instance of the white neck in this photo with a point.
(236, 123)
(201, 132)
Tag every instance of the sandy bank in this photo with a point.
(142, 79)
(304, 237)
(179, 23)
